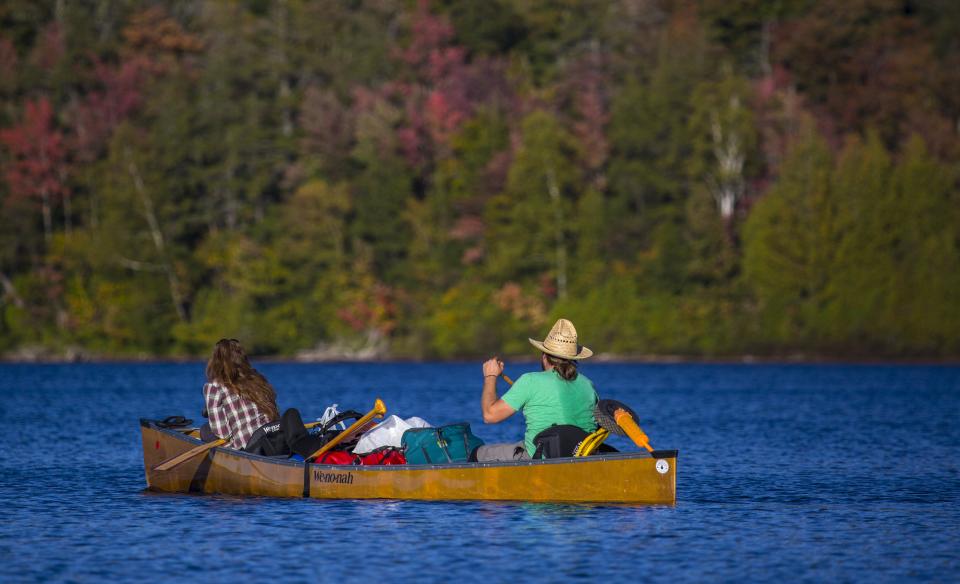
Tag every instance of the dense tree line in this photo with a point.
(439, 179)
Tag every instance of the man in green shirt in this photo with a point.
(559, 394)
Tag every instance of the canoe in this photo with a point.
(634, 477)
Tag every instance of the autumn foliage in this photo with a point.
(37, 167)
(442, 178)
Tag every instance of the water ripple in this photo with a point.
(786, 473)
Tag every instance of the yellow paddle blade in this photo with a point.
(625, 421)
(360, 425)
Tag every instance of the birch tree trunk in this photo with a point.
(10, 290)
(727, 184)
(157, 236)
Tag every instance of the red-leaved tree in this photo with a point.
(116, 95)
(445, 88)
(37, 168)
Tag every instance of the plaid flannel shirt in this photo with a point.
(231, 416)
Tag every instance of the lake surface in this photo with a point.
(786, 474)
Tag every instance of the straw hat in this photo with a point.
(561, 342)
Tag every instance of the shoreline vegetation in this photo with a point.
(426, 179)
(43, 356)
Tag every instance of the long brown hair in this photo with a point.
(230, 367)
(565, 368)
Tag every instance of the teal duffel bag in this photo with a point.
(451, 443)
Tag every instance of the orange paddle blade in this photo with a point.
(625, 421)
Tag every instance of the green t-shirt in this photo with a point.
(546, 399)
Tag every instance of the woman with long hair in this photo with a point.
(238, 399)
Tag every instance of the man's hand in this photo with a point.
(494, 409)
(492, 367)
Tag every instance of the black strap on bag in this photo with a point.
(328, 431)
(347, 415)
(442, 443)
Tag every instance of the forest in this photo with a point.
(407, 179)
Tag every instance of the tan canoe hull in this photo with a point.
(637, 478)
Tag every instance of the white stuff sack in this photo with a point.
(387, 433)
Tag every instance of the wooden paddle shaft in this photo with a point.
(625, 421)
(378, 410)
(183, 457)
(180, 458)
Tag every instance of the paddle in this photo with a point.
(623, 418)
(620, 419)
(377, 412)
(183, 457)
(625, 421)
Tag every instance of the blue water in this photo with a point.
(786, 474)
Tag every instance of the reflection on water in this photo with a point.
(809, 473)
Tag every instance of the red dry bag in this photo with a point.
(336, 457)
(385, 455)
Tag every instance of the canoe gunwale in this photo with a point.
(174, 433)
